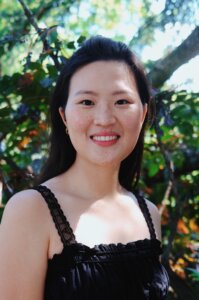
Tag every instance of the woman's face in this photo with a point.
(104, 113)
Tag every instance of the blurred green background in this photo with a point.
(36, 37)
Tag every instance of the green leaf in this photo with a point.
(81, 39)
(187, 128)
(194, 274)
(4, 112)
(153, 169)
(7, 126)
(71, 45)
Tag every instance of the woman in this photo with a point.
(99, 239)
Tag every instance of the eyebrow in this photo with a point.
(80, 92)
(89, 92)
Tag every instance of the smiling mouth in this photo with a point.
(105, 138)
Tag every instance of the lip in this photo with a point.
(105, 142)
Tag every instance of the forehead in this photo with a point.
(101, 74)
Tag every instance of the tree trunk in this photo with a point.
(164, 68)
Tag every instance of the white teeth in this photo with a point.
(105, 138)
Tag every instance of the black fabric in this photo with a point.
(105, 271)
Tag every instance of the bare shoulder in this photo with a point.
(24, 240)
(156, 217)
(26, 215)
(25, 205)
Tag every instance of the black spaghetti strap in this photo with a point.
(62, 225)
(145, 210)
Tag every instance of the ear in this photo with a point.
(145, 109)
(62, 115)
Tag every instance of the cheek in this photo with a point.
(76, 121)
(133, 126)
(133, 121)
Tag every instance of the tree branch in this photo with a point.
(172, 185)
(165, 198)
(45, 8)
(40, 32)
(164, 68)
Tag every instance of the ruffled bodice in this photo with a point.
(105, 271)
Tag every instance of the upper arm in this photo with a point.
(23, 248)
(156, 218)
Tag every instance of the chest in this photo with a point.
(103, 223)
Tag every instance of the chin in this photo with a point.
(108, 163)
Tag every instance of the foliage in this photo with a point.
(28, 73)
(178, 130)
(174, 14)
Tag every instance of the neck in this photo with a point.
(93, 181)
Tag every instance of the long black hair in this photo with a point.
(62, 153)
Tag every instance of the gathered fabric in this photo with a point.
(105, 271)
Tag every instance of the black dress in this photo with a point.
(105, 271)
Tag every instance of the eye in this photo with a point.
(122, 102)
(87, 102)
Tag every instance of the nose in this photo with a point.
(104, 116)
